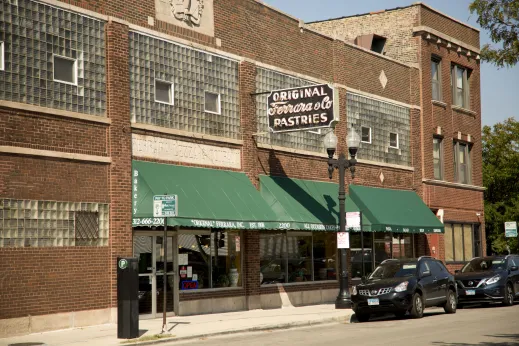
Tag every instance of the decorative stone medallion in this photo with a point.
(197, 15)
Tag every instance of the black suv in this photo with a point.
(405, 285)
(489, 279)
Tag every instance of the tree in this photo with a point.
(501, 178)
(501, 18)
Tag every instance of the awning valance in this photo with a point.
(396, 211)
(207, 198)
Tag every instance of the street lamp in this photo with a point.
(343, 300)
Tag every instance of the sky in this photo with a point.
(499, 87)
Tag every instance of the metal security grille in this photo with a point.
(267, 80)
(382, 118)
(86, 227)
(192, 73)
(33, 33)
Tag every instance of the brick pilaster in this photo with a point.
(118, 86)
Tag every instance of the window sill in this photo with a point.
(202, 290)
(320, 282)
(439, 103)
(463, 110)
(456, 185)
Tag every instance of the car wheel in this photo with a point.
(509, 295)
(362, 317)
(450, 305)
(417, 309)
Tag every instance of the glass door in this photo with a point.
(149, 249)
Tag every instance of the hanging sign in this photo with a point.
(353, 220)
(302, 108)
(511, 229)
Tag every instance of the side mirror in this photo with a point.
(426, 273)
(514, 268)
(457, 271)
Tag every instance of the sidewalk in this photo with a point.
(187, 327)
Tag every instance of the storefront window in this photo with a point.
(297, 257)
(462, 242)
(402, 246)
(357, 254)
(299, 252)
(226, 258)
(325, 256)
(209, 259)
(272, 258)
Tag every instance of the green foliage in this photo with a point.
(501, 178)
(501, 18)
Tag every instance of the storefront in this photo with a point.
(292, 229)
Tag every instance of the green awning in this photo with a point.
(395, 210)
(207, 198)
(306, 204)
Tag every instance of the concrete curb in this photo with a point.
(346, 318)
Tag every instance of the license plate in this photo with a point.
(470, 292)
(373, 301)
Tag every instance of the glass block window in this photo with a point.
(267, 80)
(33, 33)
(383, 119)
(193, 73)
(164, 92)
(30, 223)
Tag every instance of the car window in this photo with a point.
(512, 262)
(436, 269)
(424, 267)
(484, 264)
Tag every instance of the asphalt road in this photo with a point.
(491, 326)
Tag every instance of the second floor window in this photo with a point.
(366, 134)
(460, 86)
(436, 79)
(2, 56)
(462, 167)
(65, 70)
(438, 158)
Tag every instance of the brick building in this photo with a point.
(105, 104)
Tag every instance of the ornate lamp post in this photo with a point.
(343, 300)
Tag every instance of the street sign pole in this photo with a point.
(164, 279)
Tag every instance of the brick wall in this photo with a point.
(43, 281)
(395, 26)
(46, 132)
(25, 177)
(449, 27)
(120, 182)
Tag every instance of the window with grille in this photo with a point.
(30, 223)
(462, 242)
(86, 227)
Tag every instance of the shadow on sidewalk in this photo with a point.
(176, 324)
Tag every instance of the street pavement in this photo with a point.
(489, 326)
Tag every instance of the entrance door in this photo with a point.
(149, 249)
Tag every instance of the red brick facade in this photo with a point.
(51, 280)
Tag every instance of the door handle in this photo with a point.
(435, 280)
